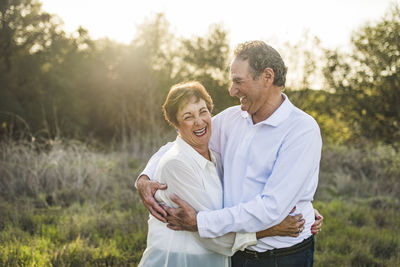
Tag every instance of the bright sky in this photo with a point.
(281, 20)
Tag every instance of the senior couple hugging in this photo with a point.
(235, 189)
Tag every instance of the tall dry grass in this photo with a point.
(359, 172)
(67, 203)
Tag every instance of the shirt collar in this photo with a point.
(279, 115)
(192, 153)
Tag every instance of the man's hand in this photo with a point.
(317, 226)
(147, 189)
(182, 218)
(290, 226)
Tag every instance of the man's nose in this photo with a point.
(233, 90)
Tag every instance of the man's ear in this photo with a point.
(268, 76)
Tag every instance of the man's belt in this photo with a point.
(305, 244)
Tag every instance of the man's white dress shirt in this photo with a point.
(268, 168)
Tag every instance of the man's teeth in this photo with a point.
(200, 132)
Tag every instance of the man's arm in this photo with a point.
(298, 162)
(184, 218)
(147, 188)
(295, 172)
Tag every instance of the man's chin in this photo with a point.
(244, 108)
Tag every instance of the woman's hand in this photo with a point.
(147, 189)
(317, 226)
(290, 226)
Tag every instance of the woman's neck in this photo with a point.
(204, 151)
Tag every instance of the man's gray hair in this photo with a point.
(262, 56)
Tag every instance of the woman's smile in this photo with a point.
(201, 132)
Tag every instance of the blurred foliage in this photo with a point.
(55, 84)
(366, 81)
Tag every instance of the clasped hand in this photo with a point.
(184, 217)
(181, 218)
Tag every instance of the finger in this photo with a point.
(319, 221)
(298, 217)
(156, 206)
(317, 224)
(318, 216)
(170, 211)
(295, 234)
(315, 232)
(301, 223)
(174, 227)
(159, 216)
(161, 186)
(160, 211)
(180, 202)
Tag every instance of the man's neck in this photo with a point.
(272, 104)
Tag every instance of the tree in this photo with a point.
(24, 31)
(367, 81)
(38, 71)
(206, 59)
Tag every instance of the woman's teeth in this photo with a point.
(200, 132)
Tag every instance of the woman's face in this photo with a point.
(194, 123)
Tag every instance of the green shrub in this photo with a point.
(68, 205)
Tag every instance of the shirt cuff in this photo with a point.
(244, 240)
(201, 227)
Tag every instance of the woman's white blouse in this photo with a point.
(195, 180)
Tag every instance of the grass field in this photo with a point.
(65, 203)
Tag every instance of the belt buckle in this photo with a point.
(252, 253)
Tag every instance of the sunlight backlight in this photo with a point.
(332, 21)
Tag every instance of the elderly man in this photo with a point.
(270, 153)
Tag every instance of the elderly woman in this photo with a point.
(191, 171)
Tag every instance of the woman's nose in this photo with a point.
(197, 120)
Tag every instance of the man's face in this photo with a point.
(248, 90)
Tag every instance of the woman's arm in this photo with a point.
(292, 225)
(184, 182)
